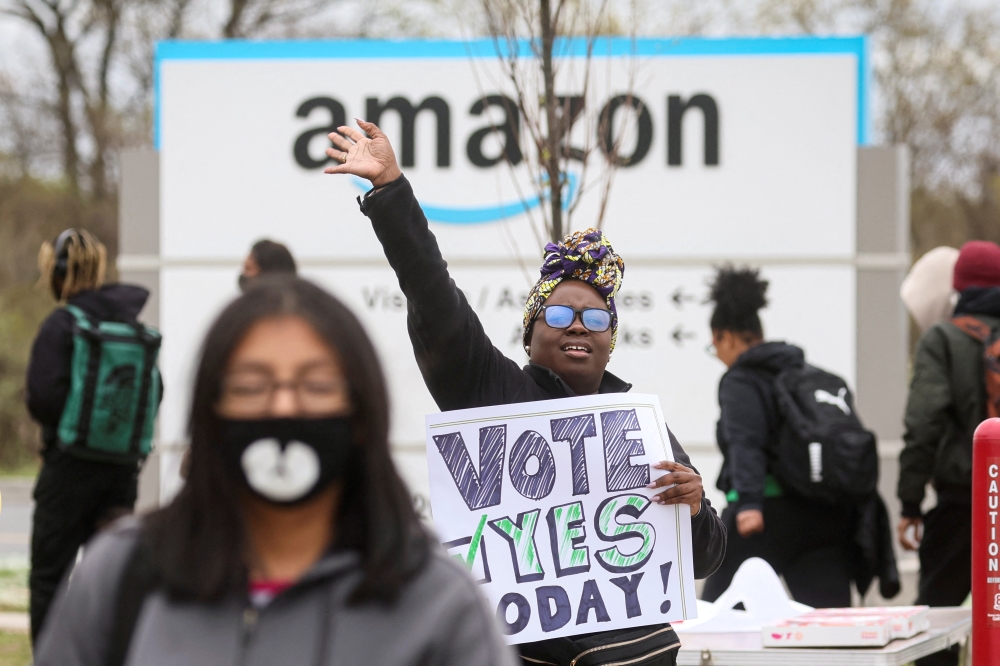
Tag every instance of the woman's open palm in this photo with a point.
(370, 157)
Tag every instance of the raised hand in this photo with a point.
(370, 157)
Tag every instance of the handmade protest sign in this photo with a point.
(546, 503)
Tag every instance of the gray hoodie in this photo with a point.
(439, 618)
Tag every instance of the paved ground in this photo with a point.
(16, 508)
(14, 622)
(15, 519)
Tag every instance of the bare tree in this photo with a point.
(250, 18)
(936, 76)
(89, 41)
(548, 114)
(936, 70)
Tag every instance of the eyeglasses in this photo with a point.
(596, 320)
(252, 392)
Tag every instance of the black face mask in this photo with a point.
(243, 281)
(288, 461)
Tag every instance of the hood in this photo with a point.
(771, 357)
(979, 300)
(112, 301)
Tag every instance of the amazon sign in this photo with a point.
(713, 142)
(711, 150)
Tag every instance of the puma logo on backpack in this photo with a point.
(823, 451)
(839, 400)
(991, 351)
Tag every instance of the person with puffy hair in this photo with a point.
(805, 541)
(946, 402)
(570, 325)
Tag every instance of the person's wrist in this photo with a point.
(387, 176)
(911, 510)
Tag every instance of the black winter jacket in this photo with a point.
(52, 352)
(945, 405)
(463, 369)
(748, 428)
(748, 420)
(460, 365)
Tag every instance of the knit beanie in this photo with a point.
(978, 265)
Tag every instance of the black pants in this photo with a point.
(73, 499)
(807, 543)
(946, 565)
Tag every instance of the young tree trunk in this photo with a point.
(62, 57)
(553, 133)
(98, 106)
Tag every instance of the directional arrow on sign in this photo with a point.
(680, 335)
(679, 297)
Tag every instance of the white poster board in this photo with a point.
(546, 503)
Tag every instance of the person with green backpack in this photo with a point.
(94, 387)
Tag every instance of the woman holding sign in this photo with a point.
(570, 326)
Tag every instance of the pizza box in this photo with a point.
(810, 630)
(907, 621)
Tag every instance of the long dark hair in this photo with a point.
(738, 294)
(198, 544)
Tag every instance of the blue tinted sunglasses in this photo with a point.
(563, 316)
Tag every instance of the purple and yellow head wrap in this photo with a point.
(583, 255)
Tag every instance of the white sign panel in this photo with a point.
(546, 503)
(745, 151)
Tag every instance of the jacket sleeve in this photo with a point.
(928, 410)
(460, 365)
(469, 633)
(743, 424)
(708, 533)
(49, 369)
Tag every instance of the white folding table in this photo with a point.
(948, 626)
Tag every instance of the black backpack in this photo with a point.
(823, 452)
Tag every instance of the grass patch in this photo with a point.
(25, 469)
(15, 648)
(14, 590)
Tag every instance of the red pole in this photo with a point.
(986, 543)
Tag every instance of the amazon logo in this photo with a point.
(331, 114)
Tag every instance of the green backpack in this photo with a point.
(114, 390)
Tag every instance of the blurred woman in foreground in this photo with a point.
(294, 540)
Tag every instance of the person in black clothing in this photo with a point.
(463, 369)
(73, 497)
(806, 542)
(266, 256)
